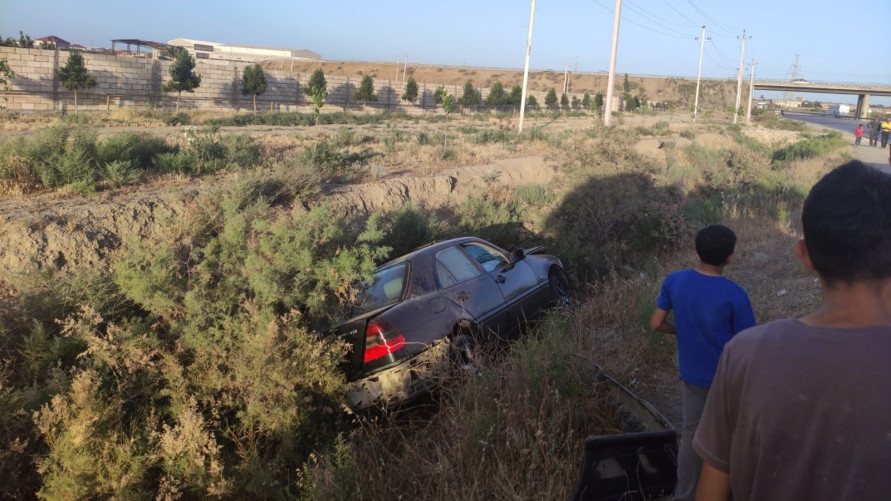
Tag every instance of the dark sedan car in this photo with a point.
(430, 308)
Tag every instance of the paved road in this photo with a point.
(875, 156)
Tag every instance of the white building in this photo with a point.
(236, 52)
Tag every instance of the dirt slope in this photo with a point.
(66, 232)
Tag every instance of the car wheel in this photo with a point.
(464, 353)
(560, 289)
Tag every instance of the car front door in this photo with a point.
(515, 279)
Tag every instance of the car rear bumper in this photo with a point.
(412, 377)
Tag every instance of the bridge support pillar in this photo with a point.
(862, 106)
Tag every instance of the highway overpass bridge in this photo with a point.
(862, 91)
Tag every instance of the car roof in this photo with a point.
(432, 247)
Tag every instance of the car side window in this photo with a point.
(489, 258)
(453, 267)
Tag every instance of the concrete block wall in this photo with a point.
(125, 82)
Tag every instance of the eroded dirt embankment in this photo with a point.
(79, 232)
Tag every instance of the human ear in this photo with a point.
(803, 256)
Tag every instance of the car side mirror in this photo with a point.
(518, 255)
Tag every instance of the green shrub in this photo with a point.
(409, 229)
(612, 221)
(491, 136)
(496, 221)
(810, 147)
(534, 195)
(240, 151)
(323, 156)
(344, 137)
(120, 172)
(130, 147)
(180, 118)
(179, 162)
(67, 168)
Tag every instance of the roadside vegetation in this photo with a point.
(195, 364)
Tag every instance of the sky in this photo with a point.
(656, 37)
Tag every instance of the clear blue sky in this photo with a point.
(657, 37)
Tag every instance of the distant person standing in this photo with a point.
(886, 131)
(858, 135)
(874, 128)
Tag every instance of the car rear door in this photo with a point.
(471, 289)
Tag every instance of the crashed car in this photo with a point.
(429, 310)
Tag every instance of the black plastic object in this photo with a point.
(637, 465)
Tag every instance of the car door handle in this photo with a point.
(499, 279)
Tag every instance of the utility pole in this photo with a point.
(611, 81)
(788, 96)
(751, 91)
(699, 75)
(404, 69)
(526, 69)
(739, 77)
(565, 77)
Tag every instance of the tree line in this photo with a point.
(74, 76)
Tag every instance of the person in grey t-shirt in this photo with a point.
(801, 408)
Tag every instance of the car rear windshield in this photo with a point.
(384, 288)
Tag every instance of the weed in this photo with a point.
(120, 172)
(323, 156)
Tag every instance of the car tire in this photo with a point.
(560, 289)
(464, 354)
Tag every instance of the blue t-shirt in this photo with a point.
(708, 311)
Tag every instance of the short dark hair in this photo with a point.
(715, 243)
(847, 224)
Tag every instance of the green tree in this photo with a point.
(317, 88)
(576, 103)
(516, 95)
(470, 97)
(564, 100)
(448, 103)
(182, 75)
(586, 101)
(551, 98)
(532, 103)
(496, 96)
(6, 74)
(411, 90)
(598, 101)
(253, 82)
(74, 75)
(439, 95)
(25, 41)
(365, 92)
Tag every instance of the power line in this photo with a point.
(695, 24)
(713, 20)
(625, 18)
(721, 54)
(656, 20)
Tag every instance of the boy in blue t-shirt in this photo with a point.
(709, 309)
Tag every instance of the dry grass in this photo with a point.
(517, 432)
(505, 435)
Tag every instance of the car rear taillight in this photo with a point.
(381, 339)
